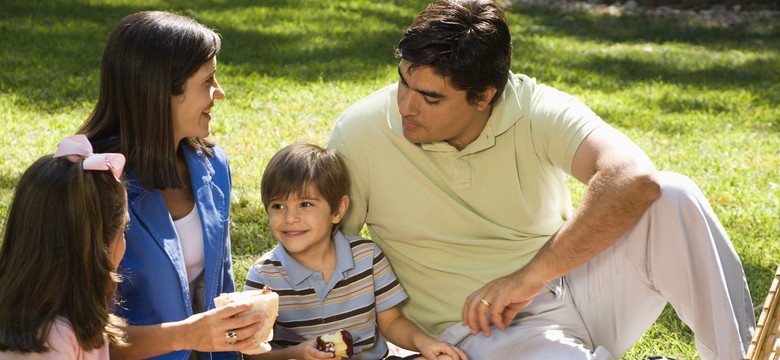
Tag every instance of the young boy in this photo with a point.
(325, 280)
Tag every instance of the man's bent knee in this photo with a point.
(677, 188)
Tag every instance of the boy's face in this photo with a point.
(303, 224)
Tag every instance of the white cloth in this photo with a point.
(678, 252)
(191, 238)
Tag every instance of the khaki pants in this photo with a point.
(678, 253)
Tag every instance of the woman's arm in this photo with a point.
(202, 332)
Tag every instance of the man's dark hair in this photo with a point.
(467, 41)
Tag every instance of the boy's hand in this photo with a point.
(310, 351)
(437, 350)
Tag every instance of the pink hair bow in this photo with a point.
(77, 147)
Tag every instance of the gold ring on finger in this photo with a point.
(484, 302)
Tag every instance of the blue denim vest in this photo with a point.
(154, 288)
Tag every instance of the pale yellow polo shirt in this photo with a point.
(449, 220)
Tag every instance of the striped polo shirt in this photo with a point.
(362, 285)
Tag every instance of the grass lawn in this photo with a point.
(700, 100)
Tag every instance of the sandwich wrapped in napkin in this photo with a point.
(264, 301)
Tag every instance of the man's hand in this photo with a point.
(499, 301)
(621, 186)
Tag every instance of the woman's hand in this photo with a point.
(211, 330)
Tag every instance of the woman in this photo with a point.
(158, 86)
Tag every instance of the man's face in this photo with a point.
(433, 110)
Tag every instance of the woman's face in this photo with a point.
(192, 109)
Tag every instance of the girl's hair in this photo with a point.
(55, 261)
(147, 59)
(296, 167)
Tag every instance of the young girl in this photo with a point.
(62, 243)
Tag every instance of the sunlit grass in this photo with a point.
(701, 101)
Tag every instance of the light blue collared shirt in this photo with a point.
(362, 285)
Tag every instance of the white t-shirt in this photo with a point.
(191, 238)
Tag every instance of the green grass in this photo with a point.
(700, 100)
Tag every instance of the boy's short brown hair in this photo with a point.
(296, 167)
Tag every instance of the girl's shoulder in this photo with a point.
(62, 339)
(62, 344)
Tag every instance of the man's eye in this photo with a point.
(430, 102)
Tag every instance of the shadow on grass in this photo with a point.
(666, 62)
(51, 50)
(759, 277)
(639, 27)
(350, 53)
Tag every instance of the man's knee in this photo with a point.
(678, 189)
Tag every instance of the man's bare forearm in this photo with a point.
(615, 199)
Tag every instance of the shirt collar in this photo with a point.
(299, 273)
(501, 119)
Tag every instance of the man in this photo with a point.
(459, 172)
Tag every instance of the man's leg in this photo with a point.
(677, 252)
(549, 328)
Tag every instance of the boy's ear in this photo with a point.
(342, 209)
